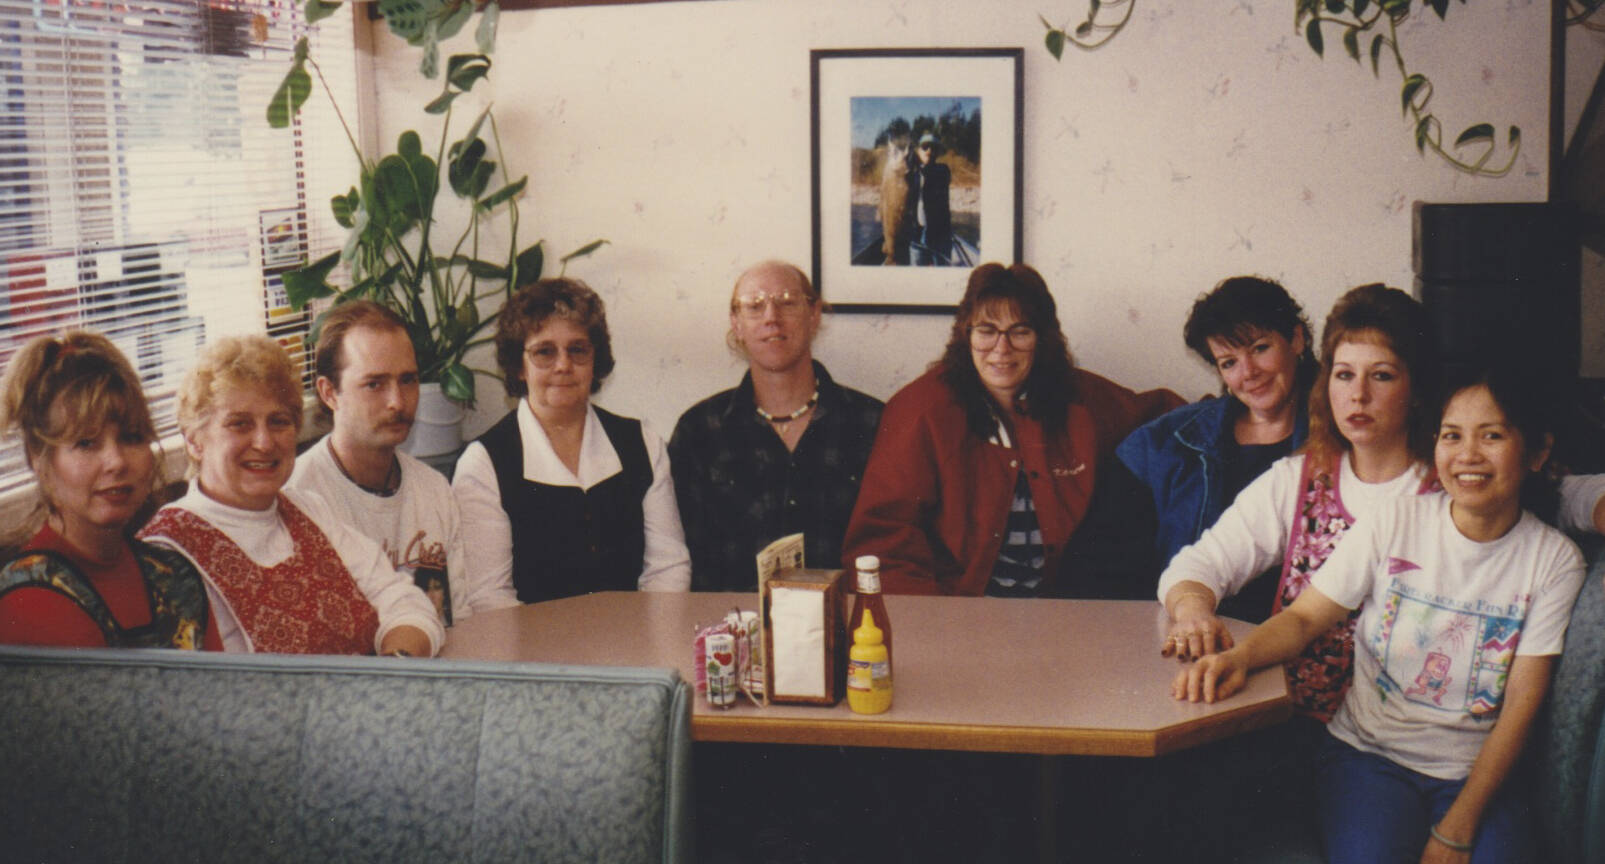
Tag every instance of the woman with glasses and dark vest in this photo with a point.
(984, 467)
(561, 498)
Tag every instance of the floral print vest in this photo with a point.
(305, 604)
(1319, 678)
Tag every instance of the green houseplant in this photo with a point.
(394, 213)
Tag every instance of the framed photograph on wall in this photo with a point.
(916, 172)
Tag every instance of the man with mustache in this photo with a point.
(368, 381)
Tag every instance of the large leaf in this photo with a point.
(293, 91)
(485, 33)
(1055, 42)
(463, 70)
(409, 145)
(317, 10)
(1479, 132)
(508, 192)
(582, 251)
(463, 169)
(407, 18)
(440, 103)
(457, 383)
(1376, 56)
(1398, 10)
(529, 263)
(1412, 86)
(477, 268)
(397, 188)
(1439, 6)
(1360, 6)
(1424, 132)
(1351, 42)
(457, 14)
(308, 283)
(345, 207)
(1312, 35)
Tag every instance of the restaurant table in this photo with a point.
(1032, 676)
(1051, 677)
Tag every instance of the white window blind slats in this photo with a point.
(142, 193)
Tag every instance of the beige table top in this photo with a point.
(1022, 676)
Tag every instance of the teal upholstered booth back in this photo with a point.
(134, 756)
(1570, 759)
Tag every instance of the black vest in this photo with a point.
(568, 541)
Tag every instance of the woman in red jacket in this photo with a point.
(984, 466)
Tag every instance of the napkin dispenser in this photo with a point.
(805, 641)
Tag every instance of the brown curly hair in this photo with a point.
(527, 311)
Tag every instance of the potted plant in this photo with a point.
(394, 249)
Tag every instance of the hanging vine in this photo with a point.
(1355, 18)
(1105, 20)
(1583, 13)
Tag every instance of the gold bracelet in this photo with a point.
(1205, 593)
(1458, 847)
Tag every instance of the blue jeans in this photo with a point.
(1374, 811)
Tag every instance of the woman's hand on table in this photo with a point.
(405, 641)
(1194, 629)
(1212, 678)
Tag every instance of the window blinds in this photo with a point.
(142, 193)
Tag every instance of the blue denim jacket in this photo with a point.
(1178, 456)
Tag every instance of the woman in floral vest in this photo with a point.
(283, 572)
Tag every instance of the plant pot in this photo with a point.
(438, 427)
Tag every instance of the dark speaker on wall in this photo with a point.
(1503, 280)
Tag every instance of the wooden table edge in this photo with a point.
(870, 732)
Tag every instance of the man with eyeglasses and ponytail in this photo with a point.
(781, 453)
(561, 498)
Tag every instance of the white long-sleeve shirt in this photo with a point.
(418, 526)
(265, 539)
(1579, 495)
(488, 532)
(1251, 535)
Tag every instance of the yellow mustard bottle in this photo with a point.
(869, 670)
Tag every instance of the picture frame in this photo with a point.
(871, 109)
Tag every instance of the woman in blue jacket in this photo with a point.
(1195, 459)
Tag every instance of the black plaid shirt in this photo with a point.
(739, 489)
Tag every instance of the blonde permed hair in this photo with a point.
(58, 389)
(235, 362)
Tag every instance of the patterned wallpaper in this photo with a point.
(1205, 141)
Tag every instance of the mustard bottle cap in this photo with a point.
(867, 633)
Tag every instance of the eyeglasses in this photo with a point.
(544, 355)
(925, 146)
(786, 303)
(984, 337)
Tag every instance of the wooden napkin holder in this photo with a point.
(810, 667)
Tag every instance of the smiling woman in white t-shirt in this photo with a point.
(1464, 602)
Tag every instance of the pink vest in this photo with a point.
(305, 604)
(1318, 678)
